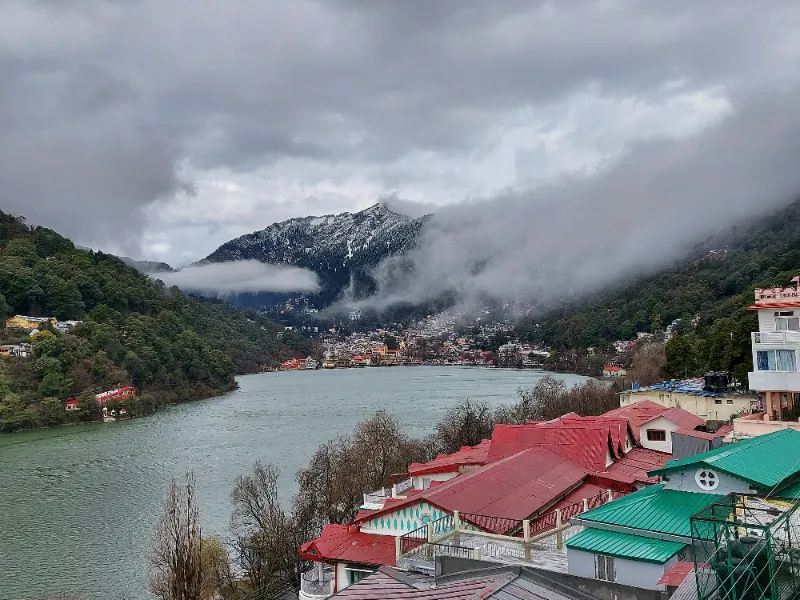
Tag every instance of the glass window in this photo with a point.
(656, 435)
(787, 323)
(604, 568)
(776, 360)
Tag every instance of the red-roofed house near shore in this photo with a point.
(72, 405)
(447, 466)
(120, 393)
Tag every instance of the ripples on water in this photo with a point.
(78, 505)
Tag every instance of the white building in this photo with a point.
(775, 373)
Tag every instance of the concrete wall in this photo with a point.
(628, 572)
(685, 481)
(684, 446)
(663, 424)
(419, 480)
(702, 406)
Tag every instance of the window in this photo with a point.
(786, 321)
(730, 400)
(604, 568)
(656, 435)
(776, 360)
(707, 479)
(717, 400)
(426, 483)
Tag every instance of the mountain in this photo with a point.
(708, 290)
(146, 266)
(133, 330)
(341, 249)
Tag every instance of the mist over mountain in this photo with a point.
(342, 250)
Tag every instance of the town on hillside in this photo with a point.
(683, 491)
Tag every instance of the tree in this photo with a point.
(648, 363)
(176, 557)
(55, 384)
(680, 358)
(465, 424)
(266, 538)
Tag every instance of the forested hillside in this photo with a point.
(172, 347)
(708, 291)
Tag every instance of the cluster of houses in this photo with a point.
(117, 394)
(684, 490)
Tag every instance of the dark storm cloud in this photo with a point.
(104, 104)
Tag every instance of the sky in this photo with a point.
(160, 130)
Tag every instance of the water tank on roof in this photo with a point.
(717, 382)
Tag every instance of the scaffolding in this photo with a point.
(747, 548)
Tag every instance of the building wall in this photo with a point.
(685, 481)
(684, 446)
(702, 406)
(660, 423)
(628, 572)
(766, 320)
(418, 481)
(403, 520)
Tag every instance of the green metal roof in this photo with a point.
(653, 509)
(765, 460)
(623, 545)
(790, 492)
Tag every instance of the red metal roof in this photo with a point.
(382, 586)
(515, 487)
(645, 411)
(683, 418)
(347, 543)
(633, 468)
(789, 304)
(587, 447)
(703, 435)
(676, 574)
(449, 463)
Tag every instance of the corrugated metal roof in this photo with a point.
(683, 418)
(446, 463)
(653, 509)
(676, 574)
(638, 414)
(766, 460)
(623, 545)
(346, 543)
(515, 487)
(587, 447)
(634, 466)
(381, 586)
(791, 492)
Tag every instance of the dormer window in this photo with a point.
(707, 480)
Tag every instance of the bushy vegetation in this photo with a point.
(171, 346)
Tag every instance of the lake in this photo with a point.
(78, 505)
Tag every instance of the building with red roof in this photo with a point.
(447, 466)
(653, 424)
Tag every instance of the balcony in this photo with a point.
(774, 381)
(775, 338)
(316, 584)
(537, 542)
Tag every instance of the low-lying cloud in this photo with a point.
(238, 277)
(579, 234)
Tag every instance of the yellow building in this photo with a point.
(24, 322)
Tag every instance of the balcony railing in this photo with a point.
(378, 497)
(403, 486)
(493, 538)
(776, 338)
(316, 583)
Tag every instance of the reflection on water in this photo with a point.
(78, 505)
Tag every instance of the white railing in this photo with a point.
(316, 583)
(377, 497)
(776, 337)
(403, 486)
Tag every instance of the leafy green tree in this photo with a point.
(52, 411)
(681, 361)
(55, 385)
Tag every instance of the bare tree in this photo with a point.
(550, 399)
(176, 557)
(465, 424)
(266, 539)
(648, 363)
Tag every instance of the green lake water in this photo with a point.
(78, 505)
